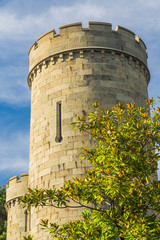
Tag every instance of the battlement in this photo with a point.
(74, 36)
(16, 187)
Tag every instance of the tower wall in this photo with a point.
(71, 70)
(16, 220)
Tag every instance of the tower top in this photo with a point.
(97, 35)
(16, 187)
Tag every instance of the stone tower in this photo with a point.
(68, 71)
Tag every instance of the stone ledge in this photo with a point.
(54, 58)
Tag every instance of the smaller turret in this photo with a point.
(17, 215)
(16, 187)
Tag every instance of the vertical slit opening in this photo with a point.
(25, 215)
(30, 221)
(58, 122)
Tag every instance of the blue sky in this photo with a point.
(21, 23)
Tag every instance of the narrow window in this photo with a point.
(29, 220)
(25, 215)
(58, 122)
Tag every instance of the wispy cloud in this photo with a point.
(22, 22)
(139, 16)
(13, 82)
(14, 157)
(143, 15)
(14, 152)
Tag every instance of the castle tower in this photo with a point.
(68, 71)
(17, 215)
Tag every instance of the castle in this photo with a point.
(68, 71)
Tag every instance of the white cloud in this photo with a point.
(13, 82)
(138, 14)
(14, 152)
(20, 28)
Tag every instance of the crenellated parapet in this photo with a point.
(15, 188)
(17, 221)
(69, 71)
(73, 41)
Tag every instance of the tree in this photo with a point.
(3, 214)
(121, 193)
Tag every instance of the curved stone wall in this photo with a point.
(70, 71)
(16, 220)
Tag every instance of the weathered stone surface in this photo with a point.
(75, 67)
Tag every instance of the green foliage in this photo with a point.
(3, 235)
(121, 193)
(28, 238)
(79, 229)
(3, 214)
